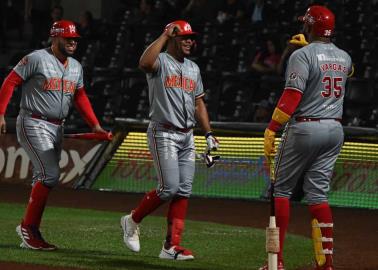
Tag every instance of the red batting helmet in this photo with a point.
(185, 27)
(65, 29)
(321, 19)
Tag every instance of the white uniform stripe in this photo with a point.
(323, 225)
(32, 149)
(284, 140)
(160, 174)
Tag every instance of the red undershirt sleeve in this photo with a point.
(84, 107)
(287, 104)
(11, 81)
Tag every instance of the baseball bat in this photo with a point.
(272, 232)
(108, 136)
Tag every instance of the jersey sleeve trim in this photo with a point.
(294, 89)
(18, 73)
(200, 95)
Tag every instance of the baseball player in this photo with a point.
(51, 82)
(176, 102)
(311, 106)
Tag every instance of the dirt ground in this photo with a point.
(356, 230)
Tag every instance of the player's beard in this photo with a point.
(63, 50)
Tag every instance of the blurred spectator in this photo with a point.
(262, 12)
(173, 9)
(373, 119)
(199, 11)
(38, 12)
(264, 109)
(231, 11)
(56, 14)
(86, 26)
(257, 12)
(267, 59)
(263, 112)
(146, 13)
(87, 29)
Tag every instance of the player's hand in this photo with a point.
(98, 129)
(210, 160)
(298, 40)
(171, 30)
(269, 148)
(212, 142)
(3, 125)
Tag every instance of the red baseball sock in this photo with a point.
(176, 220)
(149, 203)
(322, 212)
(282, 209)
(36, 204)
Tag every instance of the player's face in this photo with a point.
(67, 46)
(185, 43)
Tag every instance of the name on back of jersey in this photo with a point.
(333, 63)
(333, 67)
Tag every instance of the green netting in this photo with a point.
(242, 172)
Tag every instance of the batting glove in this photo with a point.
(212, 142)
(209, 159)
(269, 138)
(298, 40)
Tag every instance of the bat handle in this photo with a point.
(272, 257)
(272, 261)
(272, 202)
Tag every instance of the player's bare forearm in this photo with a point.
(149, 56)
(3, 125)
(202, 115)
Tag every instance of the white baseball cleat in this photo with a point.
(130, 233)
(176, 253)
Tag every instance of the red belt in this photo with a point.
(169, 126)
(311, 119)
(51, 120)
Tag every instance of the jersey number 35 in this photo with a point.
(332, 86)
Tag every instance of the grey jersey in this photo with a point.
(173, 89)
(49, 87)
(319, 71)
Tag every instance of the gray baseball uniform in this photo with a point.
(314, 135)
(47, 95)
(173, 89)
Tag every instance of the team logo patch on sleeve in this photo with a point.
(293, 76)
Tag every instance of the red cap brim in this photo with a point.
(187, 33)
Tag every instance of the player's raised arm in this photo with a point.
(147, 61)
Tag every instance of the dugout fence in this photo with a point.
(126, 165)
